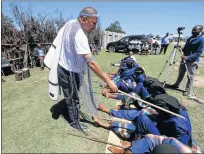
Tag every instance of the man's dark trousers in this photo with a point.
(67, 80)
(164, 47)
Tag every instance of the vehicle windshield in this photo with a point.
(124, 39)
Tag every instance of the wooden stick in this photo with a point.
(150, 104)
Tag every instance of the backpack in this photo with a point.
(167, 102)
(154, 86)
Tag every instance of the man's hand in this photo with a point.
(112, 86)
(184, 57)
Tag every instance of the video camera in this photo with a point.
(180, 29)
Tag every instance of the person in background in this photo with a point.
(165, 43)
(155, 48)
(145, 48)
(40, 55)
(96, 43)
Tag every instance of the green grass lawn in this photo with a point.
(27, 125)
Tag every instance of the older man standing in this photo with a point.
(192, 51)
(74, 55)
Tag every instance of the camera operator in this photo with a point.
(192, 52)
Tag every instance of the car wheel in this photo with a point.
(111, 49)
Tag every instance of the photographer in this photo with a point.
(192, 51)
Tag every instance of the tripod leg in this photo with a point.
(174, 59)
(2, 72)
(170, 65)
(165, 65)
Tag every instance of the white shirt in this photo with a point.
(75, 44)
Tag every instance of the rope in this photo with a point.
(95, 139)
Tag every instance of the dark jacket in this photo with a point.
(193, 48)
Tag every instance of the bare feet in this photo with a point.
(105, 93)
(96, 120)
(108, 95)
(102, 107)
(125, 144)
(100, 123)
(115, 150)
(117, 107)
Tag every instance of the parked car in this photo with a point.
(123, 43)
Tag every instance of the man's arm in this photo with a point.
(97, 70)
(198, 53)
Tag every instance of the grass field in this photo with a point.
(27, 125)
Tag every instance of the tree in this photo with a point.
(7, 21)
(38, 28)
(115, 27)
(60, 21)
(150, 35)
(8, 30)
(158, 37)
(96, 34)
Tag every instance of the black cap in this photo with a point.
(165, 148)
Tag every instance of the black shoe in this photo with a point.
(55, 116)
(80, 126)
(174, 86)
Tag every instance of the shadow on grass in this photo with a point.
(168, 86)
(60, 110)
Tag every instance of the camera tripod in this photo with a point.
(172, 59)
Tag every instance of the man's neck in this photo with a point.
(81, 26)
(195, 36)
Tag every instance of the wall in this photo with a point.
(110, 37)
